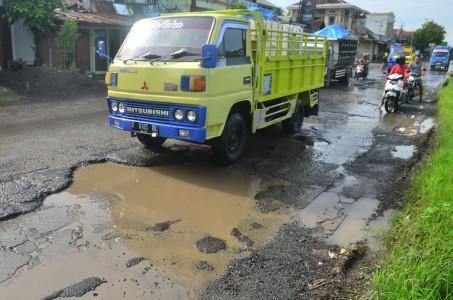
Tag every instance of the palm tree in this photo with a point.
(193, 5)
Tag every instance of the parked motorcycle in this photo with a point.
(413, 84)
(394, 93)
(361, 70)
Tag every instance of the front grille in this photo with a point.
(154, 111)
(150, 107)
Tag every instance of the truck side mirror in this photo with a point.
(102, 50)
(209, 56)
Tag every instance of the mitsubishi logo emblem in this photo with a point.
(145, 86)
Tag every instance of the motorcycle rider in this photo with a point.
(398, 68)
(385, 61)
(366, 61)
(415, 68)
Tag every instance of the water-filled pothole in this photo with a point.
(403, 152)
(164, 211)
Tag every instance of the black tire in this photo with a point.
(149, 141)
(229, 147)
(327, 80)
(411, 94)
(345, 80)
(384, 69)
(390, 105)
(407, 98)
(293, 124)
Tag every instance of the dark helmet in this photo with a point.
(401, 60)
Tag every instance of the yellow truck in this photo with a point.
(409, 53)
(214, 78)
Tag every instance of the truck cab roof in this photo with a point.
(218, 15)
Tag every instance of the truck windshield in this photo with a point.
(440, 54)
(163, 37)
(397, 52)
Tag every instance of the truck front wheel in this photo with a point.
(293, 124)
(149, 141)
(229, 147)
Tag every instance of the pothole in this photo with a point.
(403, 152)
(193, 202)
(160, 232)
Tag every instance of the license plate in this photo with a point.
(145, 127)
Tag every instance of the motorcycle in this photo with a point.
(394, 93)
(385, 66)
(413, 84)
(361, 70)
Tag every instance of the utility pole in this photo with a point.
(302, 4)
(193, 5)
(306, 16)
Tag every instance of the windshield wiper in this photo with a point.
(155, 57)
(181, 53)
(147, 55)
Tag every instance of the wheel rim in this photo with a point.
(390, 105)
(234, 139)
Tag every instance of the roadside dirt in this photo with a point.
(33, 84)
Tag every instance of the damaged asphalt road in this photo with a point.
(287, 215)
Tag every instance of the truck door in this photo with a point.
(232, 80)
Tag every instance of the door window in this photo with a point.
(233, 45)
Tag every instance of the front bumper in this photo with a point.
(439, 65)
(195, 134)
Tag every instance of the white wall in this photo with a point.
(381, 24)
(366, 47)
(22, 40)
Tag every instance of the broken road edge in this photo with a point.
(417, 258)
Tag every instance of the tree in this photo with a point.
(430, 32)
(66, 40)
(237, 5)
(36, 14)
(278, 11)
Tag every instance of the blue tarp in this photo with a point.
(334, 32)
(267, 14)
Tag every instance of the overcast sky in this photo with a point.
(410, 13)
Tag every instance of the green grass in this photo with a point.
(417, 260)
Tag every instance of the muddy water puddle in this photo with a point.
(403, 152)
(69, 246)
(164, 211)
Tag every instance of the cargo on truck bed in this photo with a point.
(213, 77)
(341, 53)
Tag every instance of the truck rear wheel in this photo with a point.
(149, 141)
(293, 124)
(345, 80)
(230, 146)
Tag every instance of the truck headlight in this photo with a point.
(179, 115)
(191, 116)
(121, 107)
(114, 106)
